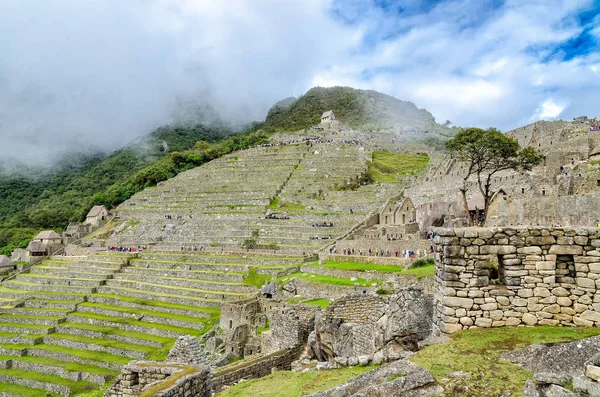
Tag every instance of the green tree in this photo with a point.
(487, 152)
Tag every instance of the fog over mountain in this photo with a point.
(93, 75)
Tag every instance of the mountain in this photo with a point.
(356, 108)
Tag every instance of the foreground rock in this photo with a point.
(398, 379)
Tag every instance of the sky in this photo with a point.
(95, 74)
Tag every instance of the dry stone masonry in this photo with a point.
(494, 277)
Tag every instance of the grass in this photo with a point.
(170, 381)
(277, 204)
(75, 367)
(424, 271)
(76, 387)
(318, 302)
(390, 166)
(256, 279)
(24, 391)
(478, 352)
(293, 384)
(328, 279)
(167, 305)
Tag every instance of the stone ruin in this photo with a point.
(371, 328)
(494, 277)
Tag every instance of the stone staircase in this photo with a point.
(71, 323)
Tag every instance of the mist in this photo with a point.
(86, 76)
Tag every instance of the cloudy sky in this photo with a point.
(96, 73)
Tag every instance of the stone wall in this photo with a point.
(494, 277)
(256, 366)
(362, 325)
(290, 327)
(180, 380)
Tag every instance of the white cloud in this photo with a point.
(548, 110)
(100, 72)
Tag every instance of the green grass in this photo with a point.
(167, 305)
(388, 166)
(256, 279)
(478, 351)
(318, 302)
(75, 367)
(76, 387)
(315, 278)
(293, 384)
(132, 310)
(424, 271)
(116, 331)
(25, 391)
(132, 321)
(277, 204)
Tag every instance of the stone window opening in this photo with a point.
(496, 270)
(565, 269)
(522, 190)
(543, 192)
(597, 182)
(230, 324)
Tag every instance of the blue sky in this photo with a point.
(101, 72)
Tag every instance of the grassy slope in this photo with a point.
(293, 384)
(478, 352)
(389, 166)
(362, 267)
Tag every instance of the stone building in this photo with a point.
(48, 237)
(97, 215)
(6, 265)
(36, 248)
(494, 277)
(328, 117)
(564, 189)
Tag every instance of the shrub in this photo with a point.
(421, 262)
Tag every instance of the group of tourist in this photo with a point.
(177, 216)
(115, 248)
(322, 224)
(320, 238)
(276, 216)
(406, 254)
(192, 248)
(429, 235)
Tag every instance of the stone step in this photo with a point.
(70, 305)
(183, 300)
(145, 315)
(28, 329)
(150, 305)
(17, 379)
(129, 324)
(71, 272)
(187, 274)
(26, 286)
(31, 319)
(134, 352)
(111, 333)
(72, 355)
(17, 339)
(171, 290)
(100, 376)
(30, 311)
(55, 280)
(205, 285)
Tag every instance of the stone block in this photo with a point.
(545, 265)
(525, 292)
(512, 321)
(502, 300)
(585, 299)
(466, 321)
(564, 301)
(548, 322)
(529, 319)
(519, 302)
(455, 251)
(497, 249)
(581, 322)
(590, 316)
(586, 282)
(452, 301)
(489, 306)
(529, 250)
(541, 292)
(579, 308)
(594, 267)
(450, 328)
(483, 322)
(592, 372)
(560, 291)
(566, 250)
(496, 315)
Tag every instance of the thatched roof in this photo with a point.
(5, 261)
(327, 114)
(36, 246)
(96, 210)
(47, 235)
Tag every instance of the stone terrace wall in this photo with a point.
(138, 376)
(545, 276)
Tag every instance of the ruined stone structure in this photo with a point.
(494, 277)
(370, 327)
(564, 189)
(139, 376)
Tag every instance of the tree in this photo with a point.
(487, 152)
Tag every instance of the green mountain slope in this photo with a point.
(356, 108)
